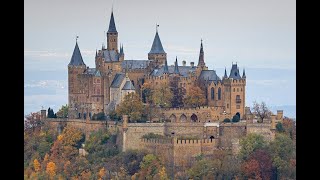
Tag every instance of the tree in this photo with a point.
(230, 167)
(162, 95)
(251, 143)
(132, 106)
(205, 168)
(32, 122)
(150, 166)
(51, 169)
(178, 92)
(235, 118)
(67, 169)
(261, 110)
(36, 165)
(279, 127)
(102, 173)
(258, 165)
(226, 120)
(63, 111)
(147, 93)
(162, 173)
(51, 113)
(195, 97)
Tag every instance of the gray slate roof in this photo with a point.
(234, 73)
(98, 74)
(118, 78)
(209, 75)
(110, 55)
(112, 25)
(76, 59)
(135, 64)
(156, 45)
(182, 69)
(91, 71)
(128, 86)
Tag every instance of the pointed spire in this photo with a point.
(165, 68)
(176, 67)
(201, 56)
(96, 53)
(112, 25)
(121, 49)
(225, 73)
(76, 59)
(244, 74)
(156, 45)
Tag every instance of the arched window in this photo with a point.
(219, 94)
(212, 93)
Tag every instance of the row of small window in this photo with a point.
(96, 80)
(219, 93)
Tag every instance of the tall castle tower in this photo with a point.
(201, 64)
(75, 68)
(234, 87)
(157, 53)
(112, 35)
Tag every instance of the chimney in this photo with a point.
(184, 63)
(191, 64)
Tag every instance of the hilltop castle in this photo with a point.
(101, 89)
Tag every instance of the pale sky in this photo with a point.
(260, 35)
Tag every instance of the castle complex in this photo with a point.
(103, 88)
(187, 131)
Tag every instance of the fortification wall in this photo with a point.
(230, 132)
(263, 129)
(202, 114)
(86, 127)
(135, 131)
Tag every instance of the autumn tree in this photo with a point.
(149, 167)
(36, 165)
(147, 92)
(195, 97)
(250, 143)
(205, 168)
(258, 165)
(261, 110)
(178, 92)
(132, 106)
(63, 111)
(283, 154)
(32, 122)
(102, 173)
(51, 169)
(162, 95)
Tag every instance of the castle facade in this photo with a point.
(103, 88)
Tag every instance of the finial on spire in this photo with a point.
(77, 38)
(244, 73)
(157, 25)
(225, 73)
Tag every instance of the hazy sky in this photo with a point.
(260, 35)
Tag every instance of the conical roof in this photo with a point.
(76, 59)
(156, 45)
(112, 25)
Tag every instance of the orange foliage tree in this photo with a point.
(51, 169)
(195, 97)
(36, 165)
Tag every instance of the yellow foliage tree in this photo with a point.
(195, 97)
(71, 136)
(102, 173)
(60, 137)
(163, 174)
(85, 175)
(162, 95)
(132, 106)
(36, 165)
(51, 169)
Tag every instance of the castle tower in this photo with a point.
(201, 64)
(234, 87)
(75, 67)
(112, 35)
(176, 67)
(165, 68)
(201, 57)
(157, 53)
(121, 54)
